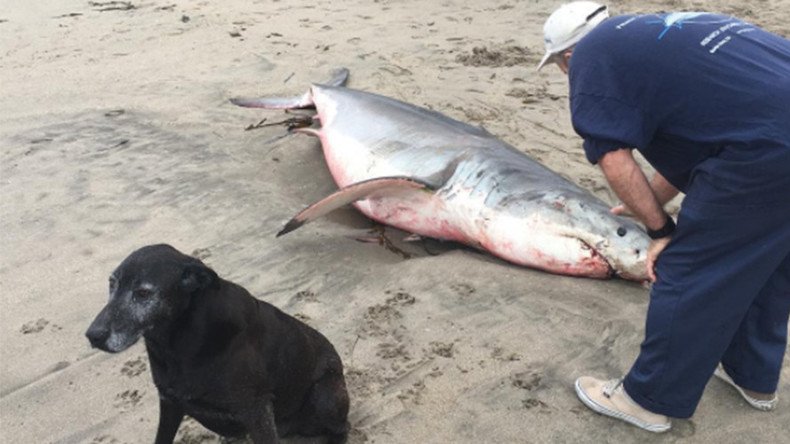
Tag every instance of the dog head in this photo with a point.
(151, 287)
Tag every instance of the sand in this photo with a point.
(116, 132)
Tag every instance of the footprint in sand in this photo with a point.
(380, 317)
(527, 380)
(388, 350)
(305, 296)
(462, 289)
(128, 399)
(443, 349)
(104, 439)
(134, 367)
(498, 56)
(38, 326)
(201, 253)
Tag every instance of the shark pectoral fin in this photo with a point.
(379, 187)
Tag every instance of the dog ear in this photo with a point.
(197, 276)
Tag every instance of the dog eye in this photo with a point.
(142, 293)
(113, 283)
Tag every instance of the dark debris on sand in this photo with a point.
(112, 6)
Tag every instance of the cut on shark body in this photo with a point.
(428, 174)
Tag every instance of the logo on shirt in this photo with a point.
(677, 20)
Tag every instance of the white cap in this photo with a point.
(568, 24)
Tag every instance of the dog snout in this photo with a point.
(98, 335)
(99, 331)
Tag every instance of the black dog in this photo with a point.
(236, 364)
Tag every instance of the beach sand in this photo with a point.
(116, 132)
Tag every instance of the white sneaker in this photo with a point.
(609, 398)
(760, 404)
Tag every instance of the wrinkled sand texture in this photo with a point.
(116, 132)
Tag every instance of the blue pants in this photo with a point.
(722, 295)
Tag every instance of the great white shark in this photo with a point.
(428, 174)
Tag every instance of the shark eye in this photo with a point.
(142, 293)
(621, 231)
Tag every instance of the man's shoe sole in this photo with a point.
(655, 428)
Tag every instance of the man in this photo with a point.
(705, 99)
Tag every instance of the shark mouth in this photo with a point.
(596, 263)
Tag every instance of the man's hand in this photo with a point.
(621, 210)
(653, 251)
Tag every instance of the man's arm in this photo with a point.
(663, 190)
(631, 186)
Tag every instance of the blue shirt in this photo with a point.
(705, 98)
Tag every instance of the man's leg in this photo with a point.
(753, 359)
(708, 278)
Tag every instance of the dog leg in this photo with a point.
(261, 425)
(325, 410)
(170, 416)
(331, 403)
(339, 438)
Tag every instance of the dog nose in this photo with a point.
(97, 336)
